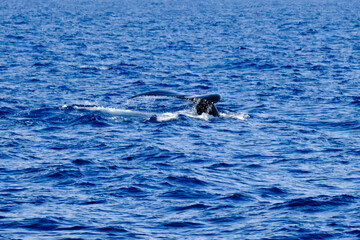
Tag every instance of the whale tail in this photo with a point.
(203, 103)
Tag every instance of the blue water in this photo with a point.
(79, 160)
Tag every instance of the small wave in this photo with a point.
(182, 224)
(186, 194)
(90, 67)
(237, 197)
(80, 162)
(42, 224)
(94, 120)
(111, 229)
(197, 206)
(316, 204)
(184, 180)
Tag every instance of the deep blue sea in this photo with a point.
(80, 160)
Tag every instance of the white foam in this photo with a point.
(203, 116)
(167, 116)
(103, 68)
(64, 106)
(116, 111)
(235, 115)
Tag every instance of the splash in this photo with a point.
(193, 114)
(163, 117)
(235, 115)
(168, 116)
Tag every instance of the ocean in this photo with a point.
(80, 159)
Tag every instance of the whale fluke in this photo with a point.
(203, 103)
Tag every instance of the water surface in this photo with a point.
(79, 160)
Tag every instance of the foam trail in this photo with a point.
(161, 117)
(118, 112)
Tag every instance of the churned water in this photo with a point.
(80, 160)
